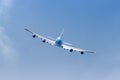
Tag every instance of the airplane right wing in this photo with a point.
(71, 49)
(51, 42)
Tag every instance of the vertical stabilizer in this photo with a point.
(61, 33)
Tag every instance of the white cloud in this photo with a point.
(5, 6)
(7, 52)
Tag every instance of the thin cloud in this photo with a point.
(7, 52)
(5, 6)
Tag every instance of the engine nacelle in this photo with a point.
(44, 41)
(71, 50)
(82, 52)
(33, 36)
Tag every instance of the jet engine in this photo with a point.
(71, 50)
(34, 36)
(44, 41)
(82, 52)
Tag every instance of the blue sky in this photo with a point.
(88, 24)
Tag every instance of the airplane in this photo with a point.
(58, 42)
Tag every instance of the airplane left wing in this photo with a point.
(51, 42)
(71, 49)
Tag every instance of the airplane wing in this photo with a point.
(71, 49)
(51, 42)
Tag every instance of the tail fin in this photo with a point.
(61, 33)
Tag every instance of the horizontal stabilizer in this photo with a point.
(67, 43)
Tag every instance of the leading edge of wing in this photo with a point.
(28, 30)
(36, 35)
(83, 50)
(44, 39)
(88, 51)
(66, 47)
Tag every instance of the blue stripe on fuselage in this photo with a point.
(58, 41)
